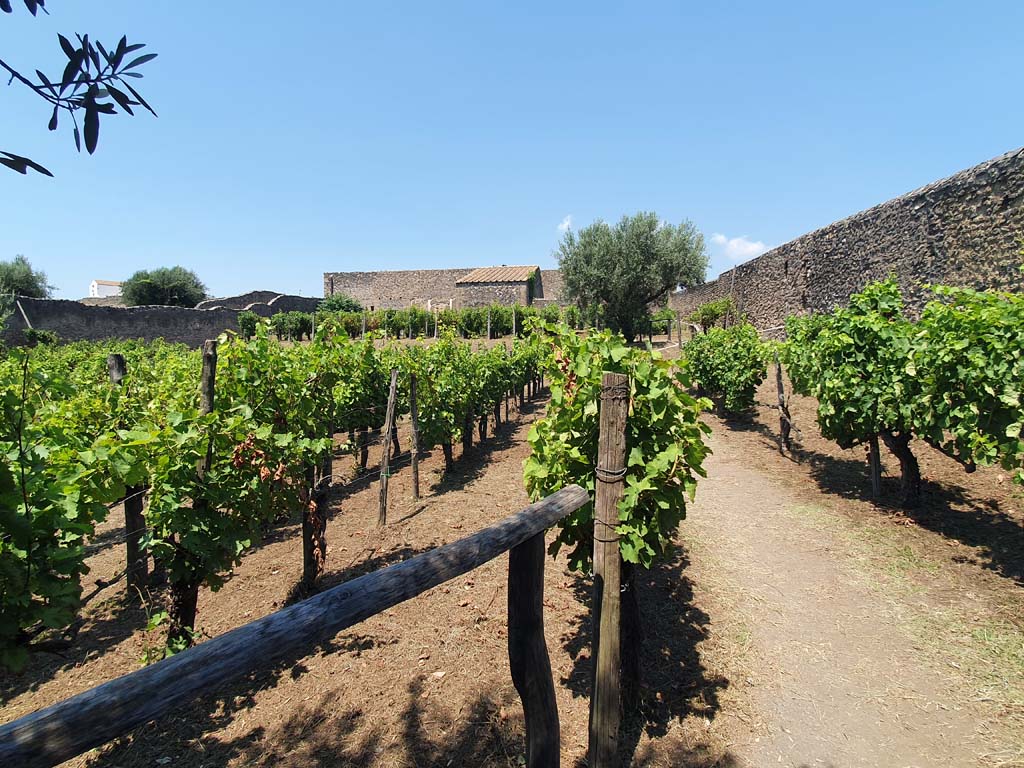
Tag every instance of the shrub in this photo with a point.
(729, 364)
(339, 302)
(247, 322)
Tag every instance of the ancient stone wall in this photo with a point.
(74, 321)
(965, 230)
(550, 288)
(484, 294)
(239, 302)
(396, 289)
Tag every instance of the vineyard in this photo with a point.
(216, 457)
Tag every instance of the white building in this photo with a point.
(100, 289)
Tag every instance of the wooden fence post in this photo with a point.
(610, 471)
(528, 653)
(488, 323)
(134, 522)
(389, 421)
(414, 416)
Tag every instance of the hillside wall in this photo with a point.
(396, 289)
(964, 230)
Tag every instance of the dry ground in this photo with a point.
(796, 623)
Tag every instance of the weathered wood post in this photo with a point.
(185, 594)
(785, 423)
(513, 321)
(414, 417)
(134, 522)
(389, 420)
(610, 471)
(528, 653)
(362, 332)
(488, 323)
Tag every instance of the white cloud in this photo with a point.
(566, 224)
(738, 248)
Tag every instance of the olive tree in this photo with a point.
(174, 286)
(624, 268)
(94, 81)
(17, 278)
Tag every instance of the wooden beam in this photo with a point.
(93, 718)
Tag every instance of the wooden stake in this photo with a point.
(389, 421)
(488, 323)
(134, 522)
(528, 653)
(785, 422)
(611, 462)
(414, 415)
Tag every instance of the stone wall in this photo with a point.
(396, 289)
(484, 294)
(964, 230)
(239, 302)
(550, 289)
(74, 321)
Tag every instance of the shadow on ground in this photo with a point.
(675, 683)
(324, 731)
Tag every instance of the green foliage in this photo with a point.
(626, 267)
(339, 302)
(661, 321)
(708, 314)
(855, 362)
(247, 322)
(36, 336)
(968, 358)
(729, 364)
(174, 287)
(664, 441)
(19, 279)
(293, 326)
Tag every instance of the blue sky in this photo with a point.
(295, 138)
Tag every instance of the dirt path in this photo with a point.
(835, 671)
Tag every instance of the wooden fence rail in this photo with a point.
(96, 716)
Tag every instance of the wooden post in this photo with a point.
(875, 466)
(488, 323)
(528, 653)
(185, 594)
(362, 332)
(611, 462)
(513, 321)
(785, 422)
(134, 522)
(414, 416)
(389, 420)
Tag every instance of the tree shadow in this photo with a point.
(186, 738)
(950, 510)
(470, 467)
(675, 683)
(109, 623)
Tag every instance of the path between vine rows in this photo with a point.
(833, 677)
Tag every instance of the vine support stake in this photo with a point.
(875, 467)
(528, 653)
(389, 422)
(785, 423)
(610, 475)
(414, 417)
(134, 522)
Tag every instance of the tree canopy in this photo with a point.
(17, 277)
(624, 268)
(94, 82)
(340, 302)
(174, 286)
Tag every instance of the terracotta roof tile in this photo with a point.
(498, 275)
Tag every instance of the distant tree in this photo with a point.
(339, 302)
(17, 277)
(93, 82)
(623, 269)
(174, 286)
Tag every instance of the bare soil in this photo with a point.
(796, 622)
